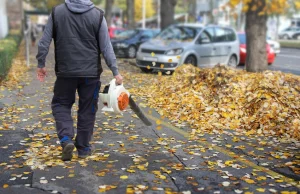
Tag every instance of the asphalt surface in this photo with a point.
(130, 157)
(288, 60)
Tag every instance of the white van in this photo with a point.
(194, 44)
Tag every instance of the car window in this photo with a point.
(148, 33)
(180, 33)
(211, 33)
(221, 35)
(205, 37)
(127, 33)
(230, 35)
(288, 29)
(116, 32)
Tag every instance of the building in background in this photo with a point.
(3, 19)
(15, 14)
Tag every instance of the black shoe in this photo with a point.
(67, 153)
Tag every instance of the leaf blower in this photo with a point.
(116, 99)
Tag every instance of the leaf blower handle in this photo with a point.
(119, 79)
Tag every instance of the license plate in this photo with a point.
(152, 59)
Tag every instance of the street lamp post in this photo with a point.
(158, 14)
(144, 14)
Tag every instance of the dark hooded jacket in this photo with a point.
(76, 25)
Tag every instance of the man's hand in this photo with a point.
(119, 79)
(41, 74)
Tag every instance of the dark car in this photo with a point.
(127, 43)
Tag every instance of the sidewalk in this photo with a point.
(116, 138)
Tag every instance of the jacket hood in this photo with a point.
(79, 6)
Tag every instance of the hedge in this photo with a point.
(290, 44)
(8, 48)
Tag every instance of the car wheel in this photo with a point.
(232, 61)
(145, 70)
(270, 63)
(131, 52)
(286, 37)
(191, 60)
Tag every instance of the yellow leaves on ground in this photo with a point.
(158, 122)
(261, 190)
(123, 177)
(104, 188)
(220, 98)
(17, 70)
(5, 186)
(130, 170)
(249, 181)
(288, 192)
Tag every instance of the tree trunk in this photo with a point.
(108, 11)
(192, 9)
(130, 14)
(256, 30)
(167, 13)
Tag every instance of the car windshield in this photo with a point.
(127, 34)
(242, 38)
(180, 33)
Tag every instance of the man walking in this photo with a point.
(80, 35)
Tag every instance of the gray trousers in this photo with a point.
(62, 102)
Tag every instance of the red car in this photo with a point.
(270, 52)
(113, 31)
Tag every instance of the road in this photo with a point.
(287, 61)
(130, 157)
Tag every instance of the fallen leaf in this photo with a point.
(261, 190)
(123, 177)
(5, 186)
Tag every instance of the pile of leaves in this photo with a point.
(225, 98)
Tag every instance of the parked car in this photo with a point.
(289, 33)
(114, 31)
(243, 50)
(189, 44)
(274, 45)
(127, 43)
(296, 36)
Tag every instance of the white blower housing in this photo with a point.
(114, 97)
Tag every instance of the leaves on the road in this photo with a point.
(5, 186)
(221, 98)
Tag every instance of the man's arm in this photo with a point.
(106, 48)
(44, 44)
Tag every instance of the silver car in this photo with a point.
(194, 44)
(290, 33)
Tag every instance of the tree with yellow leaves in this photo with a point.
(257, 12)
(138, 6)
